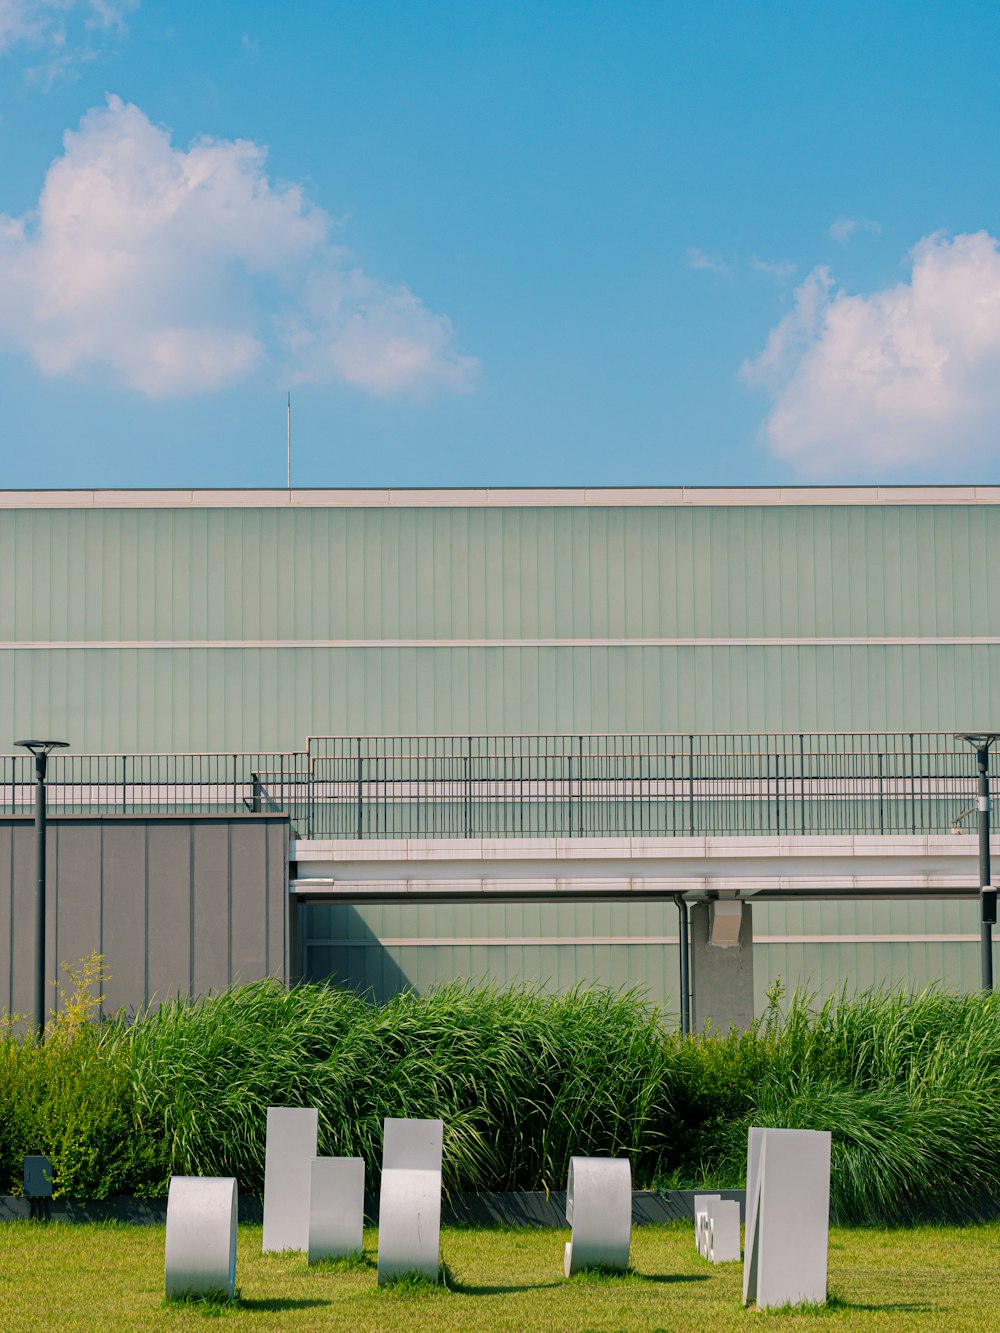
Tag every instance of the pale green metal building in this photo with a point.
(182, 621)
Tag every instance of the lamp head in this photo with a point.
(979, 740)
(42, 747)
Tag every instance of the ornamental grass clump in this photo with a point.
(521, 1080)
(909, 1085)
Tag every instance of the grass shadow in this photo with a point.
(836, 1305)
(482, 1289)
(275, 1304)
(216, 1305)
(614, 1277)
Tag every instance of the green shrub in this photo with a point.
(908, 1084)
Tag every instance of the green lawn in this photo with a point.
(96, 1278)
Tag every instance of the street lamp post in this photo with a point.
(981, 742)
(41, 750)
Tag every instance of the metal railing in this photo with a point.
(656, 785)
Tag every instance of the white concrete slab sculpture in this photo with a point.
(336, 1207)
(702, 1209)
(292, 1134)
(599, 1209)
(409, 1210)
(200, 1255)
(723, 1239)
(788, 1217)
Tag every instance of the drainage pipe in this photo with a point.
(685, 983)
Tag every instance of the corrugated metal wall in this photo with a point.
(380, 950)
(123, 576)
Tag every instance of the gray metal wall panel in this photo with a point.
(122, 881)
(212, 907)
(169, 891)
(99, 888)
(22, 955)
(75, 871)
(7, 890)
(249, 890)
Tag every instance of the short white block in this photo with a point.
(787, 1243)
(724, 1232)
(409, 1211)
(702, 1209)
(416, 1145)
(200, 1256)
(292, 1135)
(599, 1209)
(336, 1207)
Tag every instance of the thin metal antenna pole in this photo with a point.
(289, 441)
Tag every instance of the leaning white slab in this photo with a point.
(599, 1209)
(200, 1254)
(723, 1239)
(702, 1210)
(755, 1137)
(292, 1134)
(786, 1254)
(336, 1207)
(409, 1211)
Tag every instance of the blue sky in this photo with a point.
(639, 243)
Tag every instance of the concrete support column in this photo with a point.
(721, 973)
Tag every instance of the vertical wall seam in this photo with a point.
(229, 903)
(54, 834)
(191, 873)
(10, 967)
(145, 915)
(100, 906)
(267, 899)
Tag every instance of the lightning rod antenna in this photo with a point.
(289, 442)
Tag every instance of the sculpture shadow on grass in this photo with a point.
(276, 1304)
(614, 1278)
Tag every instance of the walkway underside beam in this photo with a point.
(515, 870)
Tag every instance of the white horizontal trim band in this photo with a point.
(243, 645)
(559, 497)
(639, 941)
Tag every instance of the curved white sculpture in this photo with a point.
(292, 1134)
(409, 1210)
(599, 1209)
(788, 1216)
(201, 1236)
(336, 1207)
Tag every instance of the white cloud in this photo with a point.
(184, 271)
(906, 378)
(843, 229)
(62, 29)
(779, 269)
(698, 259)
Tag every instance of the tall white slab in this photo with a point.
(786, 1261)
(409, 1211)
(755, 1138)
(702, 1210)
(723, 1236)
(292, 1135)
(599, 1209)
(200, 1252)
(336, 1207)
